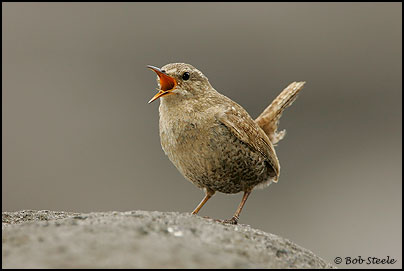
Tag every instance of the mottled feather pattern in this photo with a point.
(269, 118)
(230, 152)
(243, 127)
(213, 141)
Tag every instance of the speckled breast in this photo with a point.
(211, 156)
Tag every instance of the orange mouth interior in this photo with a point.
(167, 84)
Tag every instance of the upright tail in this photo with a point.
(269, 119)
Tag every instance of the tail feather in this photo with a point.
(269, 119)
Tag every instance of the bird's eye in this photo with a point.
(185, 76)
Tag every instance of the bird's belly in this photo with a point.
(213, 157)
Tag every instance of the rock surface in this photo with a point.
(142, 239)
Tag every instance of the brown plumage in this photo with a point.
(269, 118)
(212, 140)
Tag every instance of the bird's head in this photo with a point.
(179, 79)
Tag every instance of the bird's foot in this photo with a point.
(232, 221)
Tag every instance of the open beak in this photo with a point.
(167, 83)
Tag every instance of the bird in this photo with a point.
(212, 140)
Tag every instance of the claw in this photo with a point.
(232, 221)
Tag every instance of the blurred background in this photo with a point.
(78, 134)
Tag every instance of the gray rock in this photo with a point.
(142, 239)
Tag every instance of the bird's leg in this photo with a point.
(208, 194)
(236, 215)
